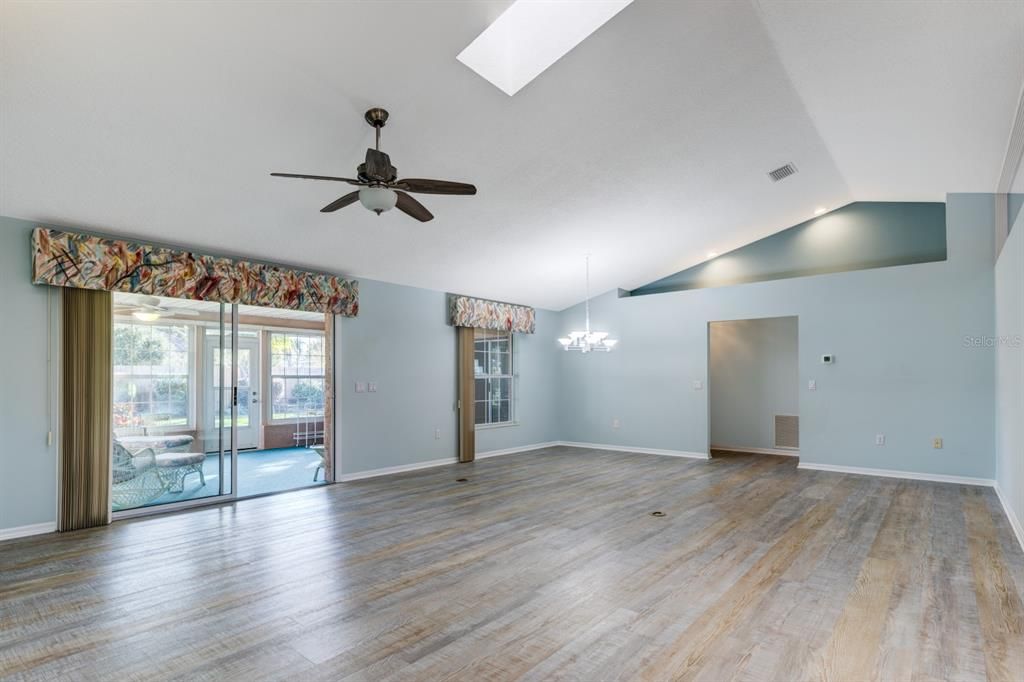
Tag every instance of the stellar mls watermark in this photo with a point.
(985, 341)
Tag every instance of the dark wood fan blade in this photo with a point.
(424, 186)
(406, 204)
(341, 202)
(317, 177)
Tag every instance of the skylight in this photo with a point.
(531, 35)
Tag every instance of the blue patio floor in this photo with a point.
(259, 472)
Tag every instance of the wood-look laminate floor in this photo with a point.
(543, 565)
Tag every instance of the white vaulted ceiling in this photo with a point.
(646, 146)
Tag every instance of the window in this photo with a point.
(492, 369)
(296, 375)
(152, 387)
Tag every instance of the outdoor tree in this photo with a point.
(134, 346)
(305, 393)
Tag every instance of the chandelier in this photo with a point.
(587, 340)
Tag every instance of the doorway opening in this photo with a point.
(754, 386)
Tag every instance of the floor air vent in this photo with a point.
(782, 172)
(787, 431)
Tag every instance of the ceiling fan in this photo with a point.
(380, 189)
(148, 309)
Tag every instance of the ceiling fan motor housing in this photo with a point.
(377, 168)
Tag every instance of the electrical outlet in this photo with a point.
(698, 384)
(437, 434)
(937, 443)
(616, 423)
(360, 387)
(812, 385)
(372, 387)
(879, 439)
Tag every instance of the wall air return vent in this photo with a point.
(787, 431)
(782, 172)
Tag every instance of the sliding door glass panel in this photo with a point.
(168, 444)
(281, 394)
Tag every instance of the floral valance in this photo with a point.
(483, 314)
(83, 261)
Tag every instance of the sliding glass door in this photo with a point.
(215, 402)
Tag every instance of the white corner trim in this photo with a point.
(1018, 527)
(628, 449)
(512, 451)
(1014, 149)
(25, 531)
(373, 473)
(891, 473)
(758, 451)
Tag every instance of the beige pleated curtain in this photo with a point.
(467, 428)
(86, 399)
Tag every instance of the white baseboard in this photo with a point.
(891, 473)
(642, 451)
(25, 531)
(758, 451)
(386, 471)
(512, 451)
(373, 473)
(1018, 527)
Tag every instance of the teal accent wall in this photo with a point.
(902, 337)
(858, 236)
(1014, 202)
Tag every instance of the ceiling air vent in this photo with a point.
(782, 172)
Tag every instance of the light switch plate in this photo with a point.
(372, 387)
(698, 384)
(937, 443)
(812, 385)
(879, 439)
(616, 423)
(360, 387)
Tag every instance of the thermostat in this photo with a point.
(828, 359)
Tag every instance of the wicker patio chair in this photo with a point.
(136, 480)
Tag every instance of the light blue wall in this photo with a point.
(753, 375)
(903, 367)
(1009, 350)
(28, 466)
(401, 340)
(858, 236)
(899, 335)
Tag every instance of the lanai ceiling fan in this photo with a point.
(149, 309)
(380, 189)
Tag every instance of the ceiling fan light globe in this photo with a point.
(146, 316)
(378, 199)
